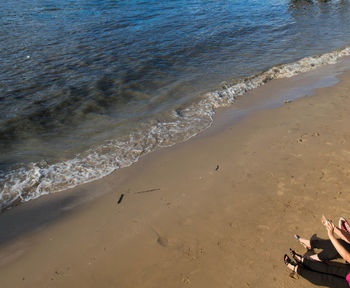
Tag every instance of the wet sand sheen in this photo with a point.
(219, 211)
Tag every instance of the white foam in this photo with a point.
(41, 178)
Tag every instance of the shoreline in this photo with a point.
(228, 203)
(39, 178)
(249, 103)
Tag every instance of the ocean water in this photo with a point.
(87, 87)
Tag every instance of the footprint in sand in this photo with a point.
(263, 227)
(162, 241)
(280, 188)
(224, 244)
(303, 138)
(186, 280)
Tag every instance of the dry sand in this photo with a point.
(224, 211)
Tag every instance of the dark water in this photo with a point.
(75, 74)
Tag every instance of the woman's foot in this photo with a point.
(306, 243)
(297, 257)
(290, 264)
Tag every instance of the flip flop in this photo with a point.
(344, 225)
(295, 255)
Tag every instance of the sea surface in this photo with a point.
(87, 87)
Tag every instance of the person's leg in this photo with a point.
(320, 243)
(305, 242)
(336, 269)
(329, 252)
(315, 257)
(322, 279)
(315, 277)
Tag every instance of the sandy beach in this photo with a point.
(219, 210)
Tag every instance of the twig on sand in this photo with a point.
(147, 191)
(120, 198)
(138, 192)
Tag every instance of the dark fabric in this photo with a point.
(329, 252)
(325, 274)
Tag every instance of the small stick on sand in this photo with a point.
(147, 191)
(120, 198)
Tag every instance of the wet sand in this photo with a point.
(217, 211)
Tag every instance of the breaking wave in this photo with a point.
(41, 178)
